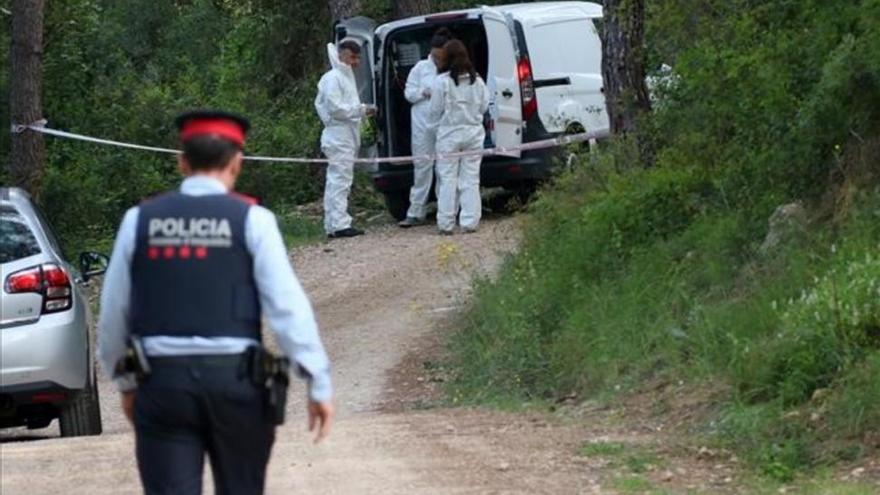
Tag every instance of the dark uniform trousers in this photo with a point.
(190, 406)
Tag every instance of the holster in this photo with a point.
(272, 374)
(134, 362)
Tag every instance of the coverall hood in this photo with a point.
(340, 109)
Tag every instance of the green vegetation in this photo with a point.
(632, 484)
(602, 449)
(630, 276)
(124, 70)
(821, 485)
(636, 459)
(626, 275)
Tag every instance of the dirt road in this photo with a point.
(385, 303)
(381, 300)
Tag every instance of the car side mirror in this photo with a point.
(92, 264)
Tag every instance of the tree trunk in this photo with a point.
(25, 94)
(340, 9)
(410, 8)
(623, 71)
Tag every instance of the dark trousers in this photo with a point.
(192, 406)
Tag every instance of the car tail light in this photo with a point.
(30, 280)
(58, 290)
(50, 280)
(527, 88)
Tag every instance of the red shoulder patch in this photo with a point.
(244, 197)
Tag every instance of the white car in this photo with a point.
(542, 62)
(46, 365)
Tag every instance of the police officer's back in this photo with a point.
(192, 273)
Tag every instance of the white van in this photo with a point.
(542, 62)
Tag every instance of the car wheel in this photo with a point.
(397, 203)
(82, 415)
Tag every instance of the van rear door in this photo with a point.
(361, 29)
(505, 98)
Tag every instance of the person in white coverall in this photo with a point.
(340, 109)
(419, 84)
(458, 101)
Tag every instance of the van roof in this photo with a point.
(537, 11)
(552, 9)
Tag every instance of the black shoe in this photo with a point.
(349, 232)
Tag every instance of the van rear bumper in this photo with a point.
(496, 171)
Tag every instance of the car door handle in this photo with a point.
(507, 93)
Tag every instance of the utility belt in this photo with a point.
(266, 371)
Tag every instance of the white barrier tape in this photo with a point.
(80, 137)
(40, 126)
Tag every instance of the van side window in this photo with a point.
(549, 61)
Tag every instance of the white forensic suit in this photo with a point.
(340, 109)
(419, 85)
(459, 110)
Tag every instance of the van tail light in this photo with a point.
(48, 397)
(50, 280)
(446, 17)
(527, 88)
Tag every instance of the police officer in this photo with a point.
(191, 275)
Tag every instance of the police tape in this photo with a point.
(564, 140)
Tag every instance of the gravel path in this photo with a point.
(385, 303)
(379, 298)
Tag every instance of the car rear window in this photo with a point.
(16, 239)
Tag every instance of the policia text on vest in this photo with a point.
(193, 275)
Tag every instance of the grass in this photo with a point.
(634, 458)
(602, 449)
(632, 484)
(821, 482)
(641, 275)
(628, 276)
(299, 230)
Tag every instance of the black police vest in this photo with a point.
(192, 274)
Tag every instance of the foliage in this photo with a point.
(629, 276)
(124, 70)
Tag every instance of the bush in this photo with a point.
(629, 275)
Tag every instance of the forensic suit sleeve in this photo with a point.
(113, 320)
(284, 303)
(438, 99)
(416, 84)
(320, 107)
(334, 101)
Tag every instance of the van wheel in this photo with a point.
(523, 191)
(82, 415)
(397, 203)
(574, 152)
